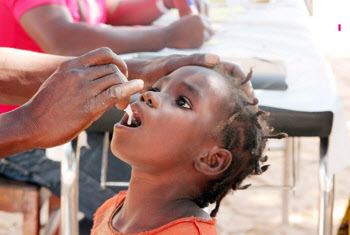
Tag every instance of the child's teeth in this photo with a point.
(129, 112)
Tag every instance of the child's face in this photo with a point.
(177, 118)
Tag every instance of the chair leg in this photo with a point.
(70, 189)
(53, 224)
(286, 180)
(31, 215)
(289, 183)
(326, 192)
(104, 160)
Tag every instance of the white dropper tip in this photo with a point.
(129, 112)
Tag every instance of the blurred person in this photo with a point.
(73, 27)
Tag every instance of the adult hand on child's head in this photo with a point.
(236, 71)
(77, 94)
(188, 32)
(152, 70)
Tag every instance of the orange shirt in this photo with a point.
(188, 225)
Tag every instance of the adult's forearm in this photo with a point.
(136, 12)
(121, 39)
(53, 29)
(14, 134)
(22, 73)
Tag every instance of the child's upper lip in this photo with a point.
(136, 110)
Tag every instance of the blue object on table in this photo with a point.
(193, 7)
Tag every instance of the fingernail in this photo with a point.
(211, 59)
(139, 82)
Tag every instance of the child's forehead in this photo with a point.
(202, 77)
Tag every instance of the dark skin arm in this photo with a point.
(125, 15)
(19, 83)
(52, 27)
(56, 114)
(23, 72)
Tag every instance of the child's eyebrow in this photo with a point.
(193, 89)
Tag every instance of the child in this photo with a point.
(194, 136)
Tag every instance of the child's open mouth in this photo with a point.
(135, 121)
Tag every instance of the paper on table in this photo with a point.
(212, 42)
(217, 27)
(225, 13)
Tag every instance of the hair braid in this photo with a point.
(244, 134)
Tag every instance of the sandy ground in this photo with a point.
(258, 210)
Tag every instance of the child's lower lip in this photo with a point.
(123, 126)
(119, 126)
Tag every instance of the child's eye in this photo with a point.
(183, 102)
(154, 89)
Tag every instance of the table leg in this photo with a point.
(289, 142)
(104, 165)
(326, 192)
(70, 189)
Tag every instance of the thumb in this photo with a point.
(117, 93)
(123, 104)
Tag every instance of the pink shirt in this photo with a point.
(13, 35)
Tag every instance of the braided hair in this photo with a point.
(244, 133)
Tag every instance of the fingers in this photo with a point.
(117, 93)
(123, 104)
(99, 56)
(99, 71)
(234, 70)
(107, 81)
(206, 60)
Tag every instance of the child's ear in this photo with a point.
(214, 162)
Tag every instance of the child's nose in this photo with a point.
(150, 99)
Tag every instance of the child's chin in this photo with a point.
(118, 144)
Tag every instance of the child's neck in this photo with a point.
(153, 201)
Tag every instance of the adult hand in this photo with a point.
(235, 71)
(76, 95)
(151, 70)
(188, 32)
